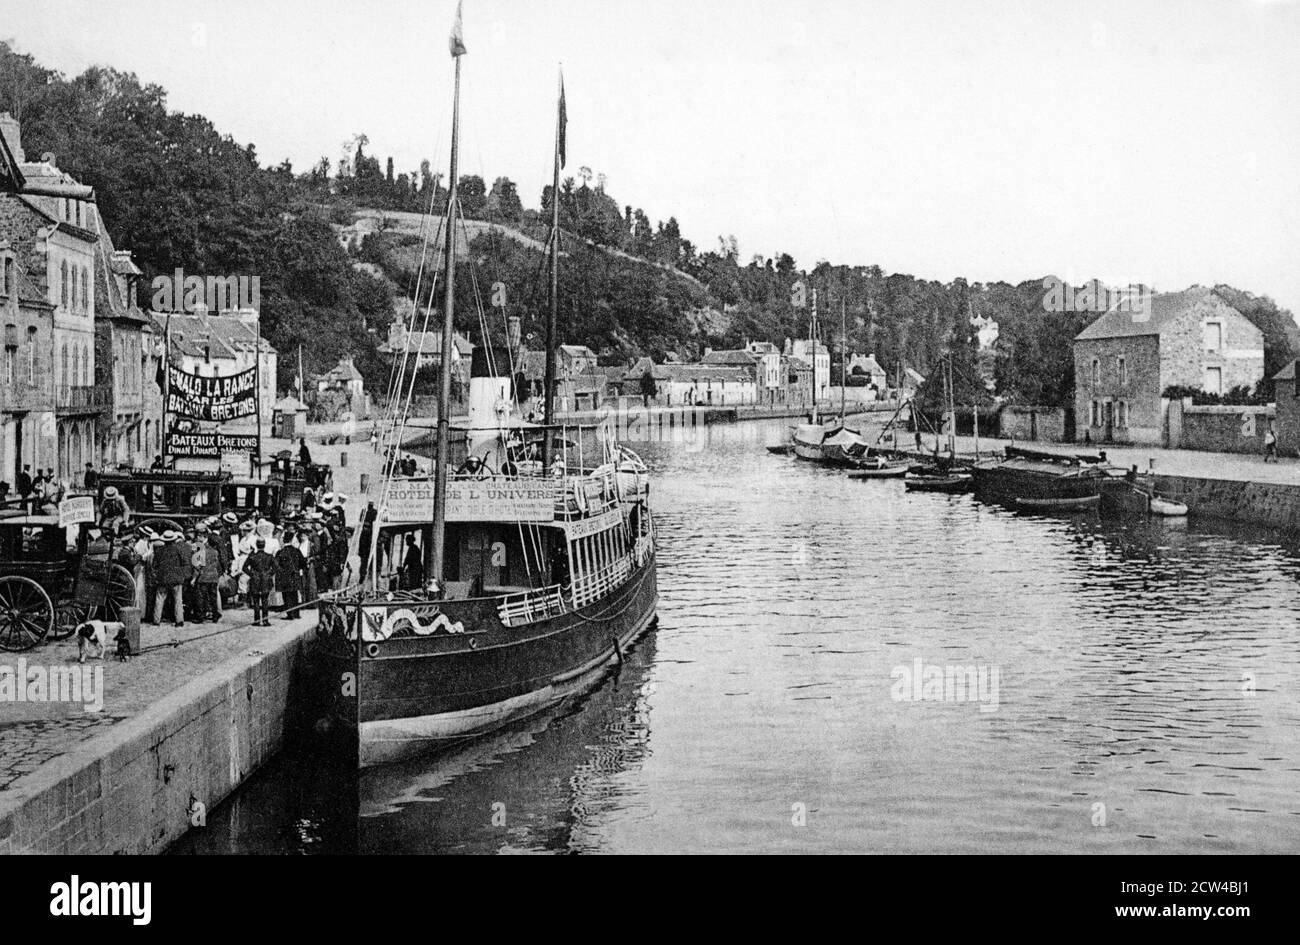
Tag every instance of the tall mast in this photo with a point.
(553, 294)
(844, 358)
(812, 352)
(442, 455)
(952, 413)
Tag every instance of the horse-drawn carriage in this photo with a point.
(54, 576)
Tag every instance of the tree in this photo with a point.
(503, 201)
(472, 193)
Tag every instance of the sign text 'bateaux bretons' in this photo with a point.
(474, 500)
(211, 398)
(208, 445)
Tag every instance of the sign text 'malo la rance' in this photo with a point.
(474, 500)
(211, 398)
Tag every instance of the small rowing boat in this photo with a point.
(951, 484)
(1167, 507)
(785, 449)
(883, 471)
(1070, 504)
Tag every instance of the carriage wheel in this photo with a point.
(119, 593)
(26, 613)
(68, 615)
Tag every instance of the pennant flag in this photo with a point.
(456, 43)
(564, 121)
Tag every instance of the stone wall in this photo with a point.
(1276, 505)
(1045, 424)
(131, 790)
(1218, 429)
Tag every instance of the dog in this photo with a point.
(94, 635)
(123, 647)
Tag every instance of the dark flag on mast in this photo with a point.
(456, 42)
(563, 121)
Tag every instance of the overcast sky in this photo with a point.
(1143, 140)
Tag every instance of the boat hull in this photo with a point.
(415, 695)
(885, 472)
(1079, 504)
(951, 485)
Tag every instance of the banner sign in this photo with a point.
(473, 500)
(211, 398)
(207, 445)
(76, 510)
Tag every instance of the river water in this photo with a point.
(1134, 687)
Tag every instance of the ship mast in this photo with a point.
(457, 46)
(553, 293)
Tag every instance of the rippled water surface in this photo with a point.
(1148, 691)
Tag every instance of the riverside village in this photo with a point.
(370, 503)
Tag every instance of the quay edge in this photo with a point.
(131, 789)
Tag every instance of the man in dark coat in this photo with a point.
(172, 571)
(91, 476)
(413, 566)
(290, 567)
(260, 568)
(304, 454)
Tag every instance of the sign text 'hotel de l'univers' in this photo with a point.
(474, 500)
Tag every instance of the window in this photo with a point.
(1096, 371)
(85, 290)
(1214, 380)
(31, 354)
(63, 284)
(1092, 414)
(1123, 371)
(63, 375)
(1213, 336)
(6, 275)
(75, 278)
(1121, 414)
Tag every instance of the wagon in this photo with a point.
(53, 577)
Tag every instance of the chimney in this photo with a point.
(12, 132)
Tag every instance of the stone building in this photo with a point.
(1125, 360)
(49, 225)
(127, 356)
(686, 385)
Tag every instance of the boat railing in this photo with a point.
(531, 606)
(592, 587)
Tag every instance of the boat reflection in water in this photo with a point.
(538, 786)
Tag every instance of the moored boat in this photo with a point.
(1077, 504)
(1027, 477)
(1167, 507)
(953, 483)
(500, 586)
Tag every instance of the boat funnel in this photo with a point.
(491, 404)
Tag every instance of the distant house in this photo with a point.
(770, 376)
(816, 354)
(344, 376)
(868, 365)
(423, 349)
(1286, 394)
(1124, 361)
(579, 383)
(679, 385)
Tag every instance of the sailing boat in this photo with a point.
(830, 442)
(540, 574)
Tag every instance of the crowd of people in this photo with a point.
(223, 563)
